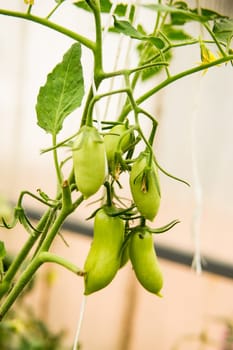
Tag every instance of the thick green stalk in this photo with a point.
(98, 48)
(35, 263)
(98, 64)
(19, 286)
(11, 272)
(49, 222)
(28, 274)
(45, 22)
(67, 208)
(54, 230)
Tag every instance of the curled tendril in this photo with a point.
(21, 217)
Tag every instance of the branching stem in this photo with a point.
(45, 22)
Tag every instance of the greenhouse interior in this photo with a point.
(146, 88)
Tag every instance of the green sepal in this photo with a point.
(165, 228)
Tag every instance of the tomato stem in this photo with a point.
(56, 163)
(172, 79)
(109, 193)
(17, 262)
(45, 22)
(206, 26)
(26, 276)
(45, 257)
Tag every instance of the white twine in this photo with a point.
(80, 321)
(127, 44)
(197, 186)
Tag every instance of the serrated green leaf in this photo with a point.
(181, 5)
(180, 18)
(223, 29)
(151, 72)
(2, 250)
(180, 13)
(127, 29)
(82, 5)
(151, 52)
(157, 42)
(175, 34)
(62, 93)
(203, 15)
(120, 10)
(105, 7)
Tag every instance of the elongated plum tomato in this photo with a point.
(112, 139)
(144, 185)
(89, 160)
(104, 257)
(145, 263)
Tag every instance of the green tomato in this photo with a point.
(144, 185)
(112, 145)
(104, 257)
(89, 160)
(145, 263)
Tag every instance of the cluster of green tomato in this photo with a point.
(115, 240)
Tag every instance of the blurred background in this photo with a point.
(194, 142)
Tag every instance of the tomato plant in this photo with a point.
(103, 149)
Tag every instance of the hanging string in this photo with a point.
(127, 44)
(197, 186)
(105, 31)
(109, 19)
(197, 190)
(128, 48)
(80, 321)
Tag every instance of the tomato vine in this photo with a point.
(109, 146)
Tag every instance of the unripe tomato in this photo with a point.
(145, 262)
(144, 185)
(111, 141)
(89, 160)
(104, 257)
